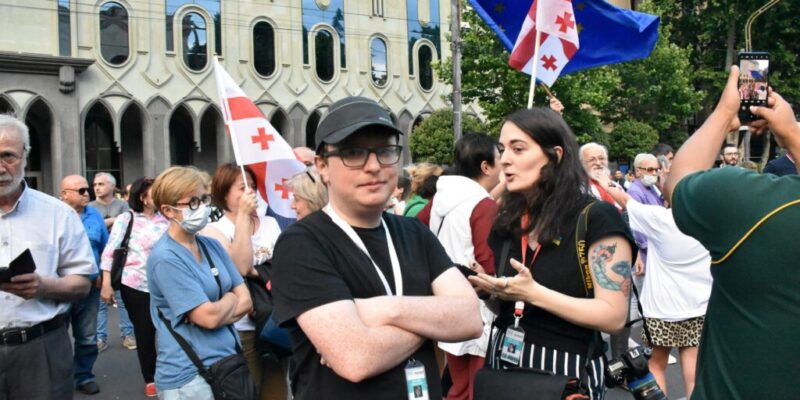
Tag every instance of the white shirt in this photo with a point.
(677, 279)
(57, 239)
(263, 243)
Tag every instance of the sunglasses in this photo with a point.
(82, 191)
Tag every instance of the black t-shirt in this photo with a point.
(315, 263)
(557, 268)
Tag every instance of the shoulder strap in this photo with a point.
(215, 272)
(187, 348)
(127, 237)
(581, 249)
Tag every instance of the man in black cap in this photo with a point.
(362, 292)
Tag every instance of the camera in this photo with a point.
(631, 367)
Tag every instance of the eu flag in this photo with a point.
(607, 34)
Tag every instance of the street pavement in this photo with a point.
(119, 377)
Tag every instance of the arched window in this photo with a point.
(114, 33)
(195, 41)
(264, 48)
(424, 67)
(377, 53)
(323, 50)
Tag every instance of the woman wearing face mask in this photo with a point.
(148, 227)
(194, 284)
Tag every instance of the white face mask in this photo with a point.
(649, 180)
(194, 221)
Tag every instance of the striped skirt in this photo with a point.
(558, 362)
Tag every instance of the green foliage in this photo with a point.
(631, 137)
(432, 140)
(671, 91)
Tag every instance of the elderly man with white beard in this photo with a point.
(35, 350)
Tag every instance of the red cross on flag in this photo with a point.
(257, 144)
(557, 44)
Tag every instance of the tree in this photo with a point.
(631, 137)
(432, 140)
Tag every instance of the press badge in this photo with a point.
(416, 383)
(513, 344)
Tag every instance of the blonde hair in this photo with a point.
(175, 183)
(419, 172)
(308, 186)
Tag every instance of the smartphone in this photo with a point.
(23, 264)
(753, 83)
(466, 271)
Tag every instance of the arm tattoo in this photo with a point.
(601, 256)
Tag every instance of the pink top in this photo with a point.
(144, 236)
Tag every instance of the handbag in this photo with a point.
(229, 377)
(532, 383)
(120, 257)
(275, 338)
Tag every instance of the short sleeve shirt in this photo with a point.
(57, 240)
(316, 264)
(557, 268)
(179, 284)
(749, 347)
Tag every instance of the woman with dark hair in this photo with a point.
(248, 238)
(148, 226)
(540, 283)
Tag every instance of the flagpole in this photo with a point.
(535, 64)
(231, 126)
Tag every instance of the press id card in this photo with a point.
(416, 382)
(513, 344)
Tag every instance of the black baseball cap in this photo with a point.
(349, 115)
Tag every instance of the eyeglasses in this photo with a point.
(356, 157)
(194, 202)
(650, 170)
(81, 191)
(9, 158)
(735, 153)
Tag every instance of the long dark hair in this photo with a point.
(555, 201)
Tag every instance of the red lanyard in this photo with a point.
(524, 243)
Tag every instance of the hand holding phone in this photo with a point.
(23, 264)
(753, 83)
(466, 271)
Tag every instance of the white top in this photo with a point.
(263, 243)
(57, 239)
(677, 279)
(456, 198)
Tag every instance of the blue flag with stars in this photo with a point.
(607, 34)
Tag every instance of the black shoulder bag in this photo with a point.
(229, 377)
(120, 257)
(531, 383)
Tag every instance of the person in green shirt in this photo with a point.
(747, 221)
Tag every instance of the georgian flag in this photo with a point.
(257, 144)
(558, 42)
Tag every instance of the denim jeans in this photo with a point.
(196, 389)
(83, 317)
(125, 325)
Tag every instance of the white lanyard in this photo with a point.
(398, 277)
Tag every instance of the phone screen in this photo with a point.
(753, 81)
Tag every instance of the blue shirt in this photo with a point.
(178, 284)
(96, 231)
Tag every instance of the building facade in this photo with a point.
(127, 86)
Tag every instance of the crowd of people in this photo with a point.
(518, 254)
